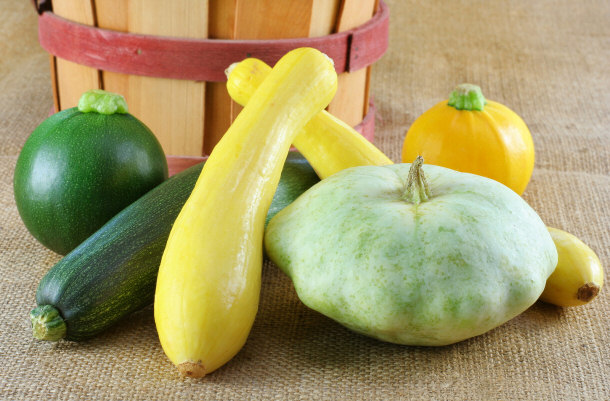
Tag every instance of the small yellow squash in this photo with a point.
(329, 144)
(579, 275)
(209, 280)
(470, 134)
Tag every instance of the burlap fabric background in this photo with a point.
(547, 60)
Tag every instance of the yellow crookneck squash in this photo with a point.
(329, 144)
(209, 280)
(579, 275)
(470, 134)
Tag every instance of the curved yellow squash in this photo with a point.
(209, 279)
(470, 134)
(329, 144)
(579, 275)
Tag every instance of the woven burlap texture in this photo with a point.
(547, 60)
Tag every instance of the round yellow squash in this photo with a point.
(470, 134)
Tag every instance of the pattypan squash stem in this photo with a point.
(417, 187)
(102, 102)
(467, 97)
(47, 323)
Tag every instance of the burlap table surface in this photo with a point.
(547, 60)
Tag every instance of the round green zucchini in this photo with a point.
(82, 166)
(113, 273)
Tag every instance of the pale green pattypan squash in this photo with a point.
(410, 259)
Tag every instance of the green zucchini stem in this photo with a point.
(102, 102)
(467, 97)
(417, 187)
(47, 323)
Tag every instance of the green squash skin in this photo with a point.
(77, 170)
(113, 273)
(468, 259)
(290, 187)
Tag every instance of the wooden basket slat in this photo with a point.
(351, 100)
(113, 14)
(74, 79)
(173, 109)
(218, 102)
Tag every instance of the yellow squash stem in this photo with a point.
(209, 279)
(329, 144)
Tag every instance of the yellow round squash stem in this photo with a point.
(209, 280)
(329, 144)
(579, 275)
(470, 134)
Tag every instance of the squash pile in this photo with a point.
(408, 253)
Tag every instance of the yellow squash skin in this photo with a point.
(579, 275)
(209, 280)
(493, 142)
(329, 144)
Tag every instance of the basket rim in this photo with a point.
(201, 59)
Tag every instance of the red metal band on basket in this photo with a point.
(201, 59)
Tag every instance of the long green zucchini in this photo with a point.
(113, 273)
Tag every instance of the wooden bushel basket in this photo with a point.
(168, 57)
